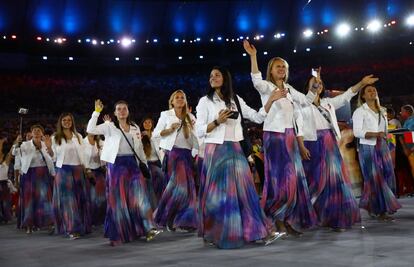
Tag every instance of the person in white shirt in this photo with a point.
(95, 172)
(230, 212)
(370, 127)
(36, 182)
(328, 179)
(177, 207)
(285, 196)
(129, 214)
(154, 157)
(71, 202)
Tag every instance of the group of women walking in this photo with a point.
(138, 183)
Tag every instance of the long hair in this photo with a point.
(306, 88)
(226, 89)
(129, 120)
(187, 125)
(146, 141)
(361, 100)
(59, 135)
(269, 76)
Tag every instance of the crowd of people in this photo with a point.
(187, 172)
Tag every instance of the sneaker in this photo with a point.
(273, 237)
(74, 236)
(152, 234)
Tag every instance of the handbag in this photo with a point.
(142, 166)
(245, 144)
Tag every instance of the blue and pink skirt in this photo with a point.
(378, 172)
(230, 209)
(71, 202)
(35, 199)
(128, 213)
(329, 184)
(158, 179)
(178, 204)
(285, 194)
(97, 190)
(5, 202)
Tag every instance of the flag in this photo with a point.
(409, 137)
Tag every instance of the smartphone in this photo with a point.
(234, 115)
(23, 111)
(314, 72)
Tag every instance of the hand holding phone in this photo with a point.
(234, 115)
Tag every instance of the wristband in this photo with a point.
(98, 109)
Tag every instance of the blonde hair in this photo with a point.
(269, 76)
(186, 122)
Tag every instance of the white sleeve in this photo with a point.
(250, 113)
(358, 124)
(261, 85)
(302, 99)
(161, 125)
(340, 100)
(95, 129)
(298, 117)
(202, 118)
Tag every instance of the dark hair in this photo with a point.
(37, 126)
(391, 111)
(146, 141)
(227, 87)
(306, 88)
(129, 121)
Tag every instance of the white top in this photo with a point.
(92, 154)
(37, 160)
(31, 157)
(71, 154)
(124, 148)
(285, 112)
(182, 142)
(4, 169)
(68, 152)
(230, 132)
(113, 138)
(207, 112)
(366, 120)
(167, 118)
(313, 120)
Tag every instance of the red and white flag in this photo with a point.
(409, 137)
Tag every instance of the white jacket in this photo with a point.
(331, 105)
(27, 150)
(167, 118)
(366, 120)
(276, 114)
(113, 136)
(207, 112)
(59, 151)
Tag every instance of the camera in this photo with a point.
(234, 115)
(23, 111)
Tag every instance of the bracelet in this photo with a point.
(216, 122)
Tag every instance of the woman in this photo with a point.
(6, 186)
(36, 182)
(71, 203)
(229, 205)
(370, 126)
(285, 196)
(95, 172)
(128, 213)
(328, 178)
(153, 155)
(177, 206)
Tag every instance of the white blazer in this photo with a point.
(113, 136)
(27, 150)
(91, 151)
(59, 150)
(167, 118)
(366, 120)
(207, 112)
(276, 114)
(331, 105)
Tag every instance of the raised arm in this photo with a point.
(92, 127)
